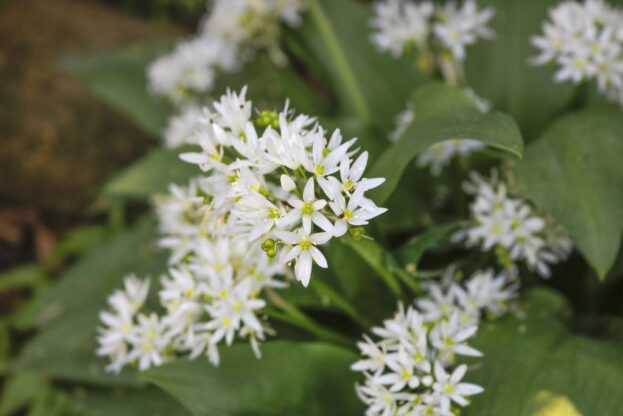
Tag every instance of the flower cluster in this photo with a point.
(436, 33)
(229, 35)
(412, 369)
(585, 41)
(275, 190)
(512, 227)
(439, 155)
(211, 295)
(181, 127)
(277, 180)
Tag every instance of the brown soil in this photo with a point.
(58, 144)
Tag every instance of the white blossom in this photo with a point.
(585, 43)
(511, 226)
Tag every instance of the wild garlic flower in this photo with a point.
(511, 227)
(439, 155)
(279, 181)
(230, 33)
(181, 128)
(412, 368)
(585, 43)
(438, 35)
(211, 298)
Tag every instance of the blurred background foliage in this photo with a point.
(81, 156)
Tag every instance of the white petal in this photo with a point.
(319, 257)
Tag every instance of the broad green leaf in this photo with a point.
(412, 250)
(119, 78)
(574, 173)
(151, 174)
(122, 401)
(442, 113)
(289, 379)
(369, 84)
(19, 390)
(536, 366)
(85, 286)
(499, 69)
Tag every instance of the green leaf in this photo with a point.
(151, 174)
(375, 256)
(369, 84)
(19, 390)
(574, 173)
(412, 250)
(535, 366)
(119, 78)
(23, 276)
(84, 287)
(290, 378)
(442, 113)
(121, 401)
(499, 69)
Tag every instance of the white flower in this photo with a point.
(234, 309)
(230, 33)
(307, 210)
(400, 24)
(439, 35)
(501, 221)
(449, 338)
(149, 340)
(450, 388)
(303, 251)
(584, 41)
(398, 368)
(460, 27)
(181, 128)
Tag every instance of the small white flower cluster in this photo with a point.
(585, 41)
(211, 297)
(439, 155)
(440, 32)
(277, 182)
(412, 369)
(230, 33)
(511, 227)
(181, 128)
(276, 189)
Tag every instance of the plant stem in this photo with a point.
(292, 315)
(407, 279)
(342, 66)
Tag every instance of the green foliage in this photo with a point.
(536, 366)
(442, 113)
(573, 172)
(532, 366)
(151, 175)
(119, 79)
(291, 378)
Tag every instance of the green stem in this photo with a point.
(408, 280)
(342, 66)
(292, 315)
(368, 256)
(339, 301)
